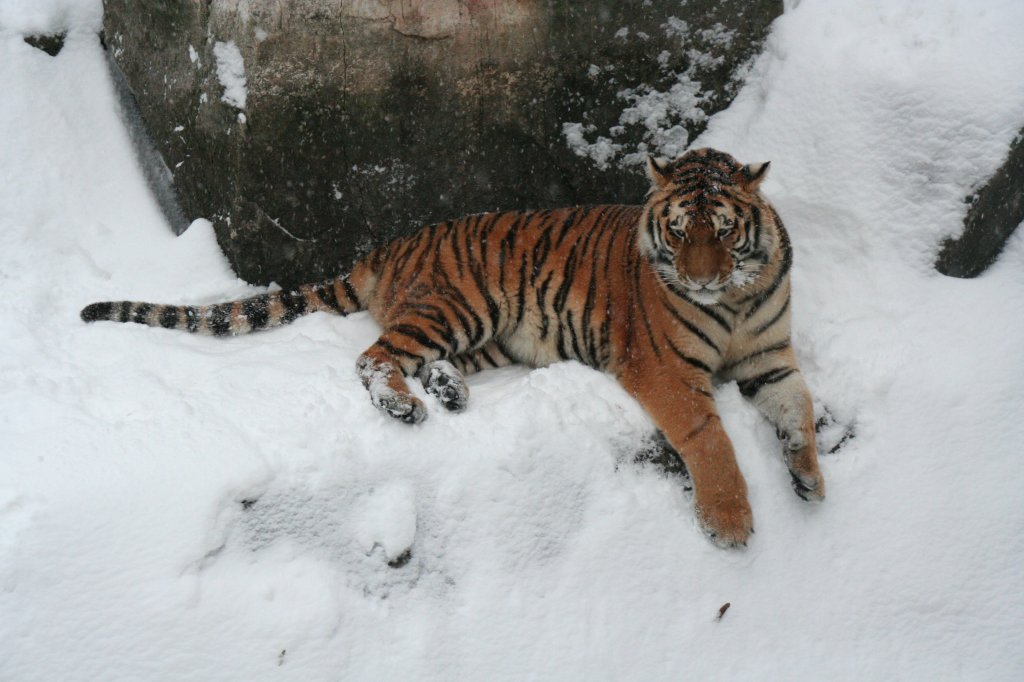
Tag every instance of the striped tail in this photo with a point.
(234, 317)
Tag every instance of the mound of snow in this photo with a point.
(183, 507)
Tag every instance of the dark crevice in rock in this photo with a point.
(158, 176)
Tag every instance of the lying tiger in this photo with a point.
(692, 285)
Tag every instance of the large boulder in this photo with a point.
(996, 210)
(309, 131)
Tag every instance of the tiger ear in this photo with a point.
(751, 175)
(659, 170)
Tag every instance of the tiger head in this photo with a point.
(705, 227)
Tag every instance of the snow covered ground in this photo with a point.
(176, 507)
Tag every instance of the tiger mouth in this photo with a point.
(700, 294)
(704, 295)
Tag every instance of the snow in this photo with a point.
(48, 17)
(178, 507)
(231, 73)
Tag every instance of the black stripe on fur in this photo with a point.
(750, 387)
(95, 312)
(169, 317)
(255, 311)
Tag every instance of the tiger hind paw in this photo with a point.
(401, 406)
(443, 381)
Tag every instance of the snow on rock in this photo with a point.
(662, 115)
(173, 506)
(231, 73)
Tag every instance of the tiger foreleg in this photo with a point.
(786, 404)
(720, 492)
(685, 412)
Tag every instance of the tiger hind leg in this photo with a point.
(388, 390)
(406, 349)
(489, 356)
(401, 351)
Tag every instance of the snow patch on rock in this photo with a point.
(662, 115)
(231, 73)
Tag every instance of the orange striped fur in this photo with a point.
(690, 286)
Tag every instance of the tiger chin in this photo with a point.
(691, 286)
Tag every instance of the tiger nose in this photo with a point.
(703, 281)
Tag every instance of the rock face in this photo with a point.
(309, 131)
(50, 44)
(997, 209)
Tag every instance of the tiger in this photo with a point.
(671, 297)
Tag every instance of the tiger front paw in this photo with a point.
(727, 520)
(808, 483)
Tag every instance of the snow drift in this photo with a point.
(174, 507)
